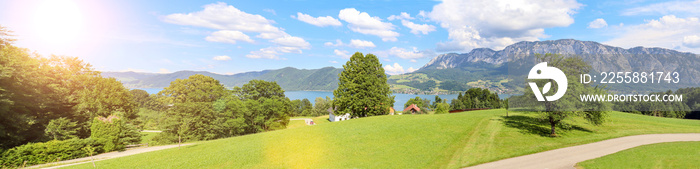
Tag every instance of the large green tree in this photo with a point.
(191, 115)
(362, 88)
(570, 104)
(102, 97)
(267, 106)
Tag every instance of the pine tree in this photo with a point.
(362, 88)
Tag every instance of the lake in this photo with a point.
(400, 99)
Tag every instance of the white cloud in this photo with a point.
(394, 70)
(362, 22)
(668, 32)
(415, 28)
(666, 8)
(271, 35)
(418, 28)
(337, 43)
(423, 14)
(410, 54)
(597, 23)
(227, 36)
(266, 53)
(342, 53)
(413, 60)
(497, 24)
(356, 43)
(401, 16)
(320, 21)
(232, 22)
(223, 17)
(410, 69)
(222, 58)
(692, 41)
(291, 41)
(272, 52)
(333, 61)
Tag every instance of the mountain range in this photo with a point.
(481, 67)
(288, 78)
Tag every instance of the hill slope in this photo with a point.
(409, 141)
(289, 79)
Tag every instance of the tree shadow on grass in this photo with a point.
(532, 125)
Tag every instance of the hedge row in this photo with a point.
(51, 151)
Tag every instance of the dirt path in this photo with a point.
(105, 156)
(569, 156)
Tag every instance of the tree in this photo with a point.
(362, 88)
(479, 98)
(267, 108)
(295, 108)
(437, 100)
(456, 104)
(102, 97)
(61, 129)
(306, 107)
(196, 88)
(442, 108)
(505, 105)
(36, 90)
(569, 105)
(256, 89)
(141, 97)
(321, 105)
(232, 113)
(5, 35)
(192, 115)
(114, 133)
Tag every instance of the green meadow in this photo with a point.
(660, 155)
(406, 141)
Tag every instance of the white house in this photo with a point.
(332, 117)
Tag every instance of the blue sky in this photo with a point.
(229, 37)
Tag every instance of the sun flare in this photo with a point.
(58, 22)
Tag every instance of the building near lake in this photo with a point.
(412, 108)
(333, 117)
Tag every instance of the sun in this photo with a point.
(58, 22)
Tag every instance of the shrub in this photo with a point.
(114, 133)
(442, 108)
(45, 152)
(164, 138)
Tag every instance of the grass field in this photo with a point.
(300, 123)
(415, 141)
(661, 155)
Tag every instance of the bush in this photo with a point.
(164, 138)
(51, 151)
(114, 133)
(442, 108)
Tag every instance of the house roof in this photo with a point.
(412, 106)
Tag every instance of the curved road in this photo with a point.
(569, 156)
